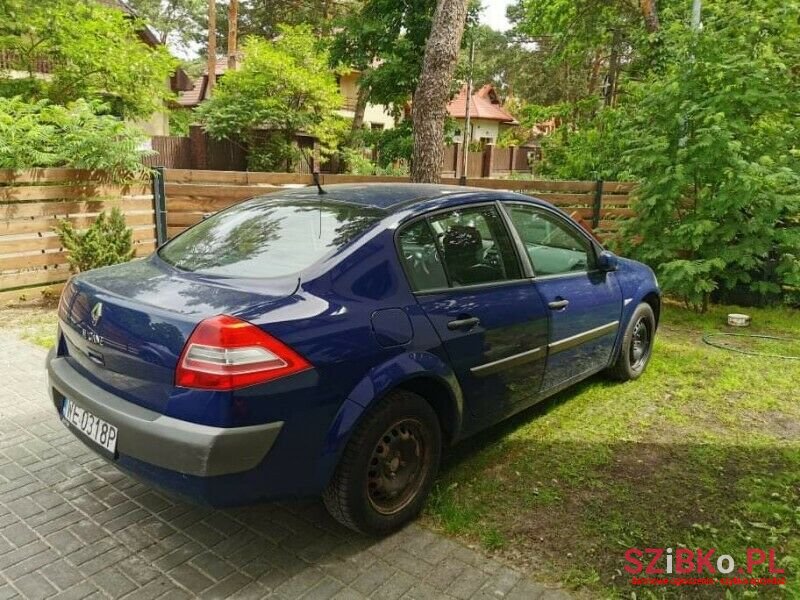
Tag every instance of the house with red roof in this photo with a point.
(488, 118)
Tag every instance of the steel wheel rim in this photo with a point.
(397, 467)
(640, 344)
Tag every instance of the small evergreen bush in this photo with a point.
(107, 242)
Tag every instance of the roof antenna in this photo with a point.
(314, 172)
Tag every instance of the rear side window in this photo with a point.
(268, 237)
(420, 257)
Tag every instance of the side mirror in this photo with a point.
(607, 261)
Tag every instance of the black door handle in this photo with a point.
(558, 304)
(466, 323)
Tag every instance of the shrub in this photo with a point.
(714, 141)
(284, 86)
(106, 242)
(79, 135)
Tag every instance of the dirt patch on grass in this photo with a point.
(36, 324)
(646, 495)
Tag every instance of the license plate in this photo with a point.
(97, 430)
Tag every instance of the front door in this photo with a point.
(491, 320)
(584, 303)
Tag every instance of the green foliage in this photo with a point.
(179, 121)
(94, 51)
(576, 41)
(41, 134)
(714, 141)
(264, 18)
(284, 86)
(177, 21)
(515, 69)
(359, 164)
(590, 150)
(106, 242)
(385, 39)
(392, 145)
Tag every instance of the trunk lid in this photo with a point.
(125, 326)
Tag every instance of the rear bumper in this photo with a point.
(169, 444)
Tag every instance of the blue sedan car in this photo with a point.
(302, 344)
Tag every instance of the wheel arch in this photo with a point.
(654, 300)
(420, 372)
(441, 398)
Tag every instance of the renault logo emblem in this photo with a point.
(97, 313)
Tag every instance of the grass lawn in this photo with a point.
(702, 451)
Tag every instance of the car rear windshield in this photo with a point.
(268, 237)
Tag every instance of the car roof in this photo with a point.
(389, 196)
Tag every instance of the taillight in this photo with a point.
(225, 353)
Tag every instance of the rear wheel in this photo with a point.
(637, 345)
(388, 466)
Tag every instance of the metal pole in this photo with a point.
(697, 8)
(212, 47)
(160, 206)
(467, 137)
(598, 203)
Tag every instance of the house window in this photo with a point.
(376, 126)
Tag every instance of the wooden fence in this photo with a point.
(198, 151)
(192, 195)
(489, 162)
(32, 260)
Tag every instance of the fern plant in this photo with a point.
(108, 241)
(80, 135)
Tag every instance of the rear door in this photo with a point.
(583, 302)
(492, 322)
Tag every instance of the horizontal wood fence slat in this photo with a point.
(53, 175)
(32, 202)
(47, 209)
(41, 243)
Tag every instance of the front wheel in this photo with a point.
(388, 466)
(637, 345)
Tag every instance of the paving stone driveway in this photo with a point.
(72, 526)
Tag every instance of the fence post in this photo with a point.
(457, 148)
(160, 206)
(598, 203)
(198, 147)
(488, 160)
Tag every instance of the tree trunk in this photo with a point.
(212, 46)
(233, 24)
(360, 109)
(430, 99)
(613, 70)
(650, 14)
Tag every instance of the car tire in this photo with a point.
(637, 345)
(388, 466)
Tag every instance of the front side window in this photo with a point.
(553, 246)
(267, 237)
(475, 246)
